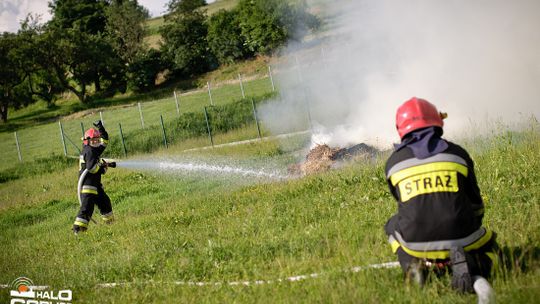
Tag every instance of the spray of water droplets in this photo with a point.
(200, 167)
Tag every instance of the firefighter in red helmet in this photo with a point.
(90, 189)
(440, 210)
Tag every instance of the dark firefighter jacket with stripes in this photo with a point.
(438, 200)
(90, 159)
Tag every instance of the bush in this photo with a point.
(143, 71)
(225, 37)
(185, 45)
(268, 24)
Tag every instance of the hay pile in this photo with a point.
(319, 159)
(322, 158)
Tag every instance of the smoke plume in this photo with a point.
(479, 61)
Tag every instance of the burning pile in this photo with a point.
(322, 158)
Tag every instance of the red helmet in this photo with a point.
(417, 113)
(90, 133)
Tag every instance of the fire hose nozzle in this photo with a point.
(111, 164)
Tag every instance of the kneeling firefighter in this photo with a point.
(440, 210)
(90, 189)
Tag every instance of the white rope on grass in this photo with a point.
(238, 283)
(32, 287)
(257, 282)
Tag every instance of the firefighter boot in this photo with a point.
(461, 277)
(80, 225)
(416, 273)
(78, 229)
(108, 218)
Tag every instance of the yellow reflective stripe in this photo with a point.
(480, 242)
(89, 191)
(94, 169)
(81, 224)
(104, 141)
(444, 254)
(441, 181)
(427, 168)
(394, 244)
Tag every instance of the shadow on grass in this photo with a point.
(519, 259)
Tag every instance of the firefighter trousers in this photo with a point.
(481, 261)
(88, 202)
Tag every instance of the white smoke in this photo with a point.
(476, 60)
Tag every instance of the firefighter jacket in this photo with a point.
(439, 202)
(90, 160)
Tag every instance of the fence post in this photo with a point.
(176, 101)
(62, 137)
(123, 141)
(208, 127)
(210, 93)
(163, 129)
(82, 129)
(271, 78)
(18, 146)
(101, 118)
(255, 116)
(308, 110)
(140, 113)
(241, 86)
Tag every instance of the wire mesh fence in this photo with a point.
(292, 73)
(64, 136)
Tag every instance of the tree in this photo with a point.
(184, 42)
(87, 16)
(268, 24)
(125, 28)
(260, 25)
(13, 92)
(225, 37)
(40, 77)
(82, 53)
(143, 71)
(185, 6)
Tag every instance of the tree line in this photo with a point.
(95, 48)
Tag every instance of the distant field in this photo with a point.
(216, 229)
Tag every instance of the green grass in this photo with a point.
(221, 229)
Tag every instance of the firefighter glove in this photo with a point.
(98, 124)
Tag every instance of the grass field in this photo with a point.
(221, 228)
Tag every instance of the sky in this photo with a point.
(12, 12)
